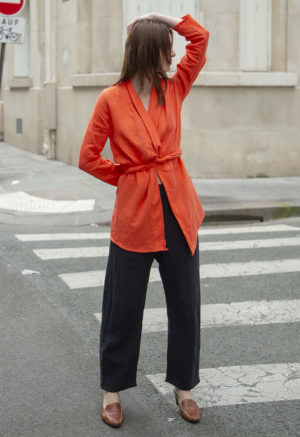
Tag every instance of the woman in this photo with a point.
(157, 212)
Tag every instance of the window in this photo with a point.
(255, 35)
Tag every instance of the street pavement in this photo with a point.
(52, 262)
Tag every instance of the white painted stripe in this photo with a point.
(249, 244)
(64, 236)
(241, 384)
(21, 201)
(246, 229)
(203, 231)
(30, 272)
(69, 252)
(225, 270)
(17, 2)
(96, 278)
(92, 252)
(261, 312)
(93, 278)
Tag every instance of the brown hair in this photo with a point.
(145, 42)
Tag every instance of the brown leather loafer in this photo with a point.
(112, 414)
(189, 410)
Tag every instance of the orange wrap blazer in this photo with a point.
(143, 142)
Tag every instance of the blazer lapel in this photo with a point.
(145, 116)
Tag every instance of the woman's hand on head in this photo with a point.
(141, 17)
(170, 21)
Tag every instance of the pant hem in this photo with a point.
(115, 388)
(181, 386)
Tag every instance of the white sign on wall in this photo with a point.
(12, 29)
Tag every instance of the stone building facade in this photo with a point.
(241, 118)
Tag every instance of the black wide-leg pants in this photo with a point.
(124, 296)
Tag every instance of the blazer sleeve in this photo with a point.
(96, 134)
(194, 59)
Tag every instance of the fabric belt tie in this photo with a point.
(156, 160)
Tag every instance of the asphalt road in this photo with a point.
(250, 363)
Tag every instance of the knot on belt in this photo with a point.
(156, 160)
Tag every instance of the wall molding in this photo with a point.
(212, 78)
(20, 82)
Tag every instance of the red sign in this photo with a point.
(11, 7)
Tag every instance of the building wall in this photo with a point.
(240, 118)
(22, 88)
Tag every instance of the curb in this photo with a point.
(251, 211)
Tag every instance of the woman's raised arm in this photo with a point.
(194, 59)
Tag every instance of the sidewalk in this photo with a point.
(36, 190)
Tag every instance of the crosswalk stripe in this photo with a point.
(249, 244)
(261, 312)
(202, 231)
(225, 270)
(64, 236)
(247, 229)
(246, 384)
(95, 278)
(71, 252)
(92, 252)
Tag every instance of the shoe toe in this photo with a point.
(112, 414)
(190, 410)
